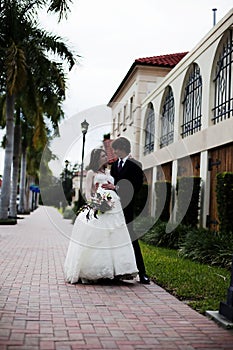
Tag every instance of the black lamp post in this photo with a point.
(84, 128)
(66, 163)
(226, 308)
(66, 169)
(66, 184)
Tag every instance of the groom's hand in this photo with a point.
(109, 186)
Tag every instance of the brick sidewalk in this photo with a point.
(38, 310)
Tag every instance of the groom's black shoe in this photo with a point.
(144, 279)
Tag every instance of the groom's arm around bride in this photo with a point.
(128, 177)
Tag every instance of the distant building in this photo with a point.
(107, 147)
(143, 77)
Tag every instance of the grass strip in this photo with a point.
(201, 286)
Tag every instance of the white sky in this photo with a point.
(110, 35)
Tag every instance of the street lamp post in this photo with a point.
(84, 128)
(66, 164)
(65, 183)
(66, 170)
(226, 308)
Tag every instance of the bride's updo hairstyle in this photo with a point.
(95, 159)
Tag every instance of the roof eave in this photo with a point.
(132, 68)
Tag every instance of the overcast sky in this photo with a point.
(109, 35)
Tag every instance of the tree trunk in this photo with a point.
(6, 182)
(22, 187)
(15, 169)
(27, 196)
(29, 193)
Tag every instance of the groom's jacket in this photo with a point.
(130, 180)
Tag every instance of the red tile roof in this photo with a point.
(107, 146)
(166, 61)
(162, 60)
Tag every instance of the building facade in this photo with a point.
(180, 119)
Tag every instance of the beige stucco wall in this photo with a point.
(139, 85)
(204, 54)
(148, 86)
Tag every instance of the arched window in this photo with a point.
(149, 130)
(223, 98)
(167, 119)
(192, 103)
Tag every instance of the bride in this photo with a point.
(100, 246)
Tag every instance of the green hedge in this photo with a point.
(224, 191)
(188, 190)
(163, 199)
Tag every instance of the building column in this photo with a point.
(153, 199)
(205, 188)
(173, 190)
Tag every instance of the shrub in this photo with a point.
(188, 188)
(201, 245)
(163, 199)
(214, 248)
(158, 236)
(142, 224)
(224, 189)
(68, 213)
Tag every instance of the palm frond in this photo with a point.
(55, 44)
(16, 68)
(39, 136)
(60, 6)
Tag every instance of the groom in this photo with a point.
(128, 176)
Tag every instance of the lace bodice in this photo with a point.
(93, 178)
(103, 178)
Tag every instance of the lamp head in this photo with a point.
(84, 126)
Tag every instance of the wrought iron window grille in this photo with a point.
(150, 130)
(223, 99)
(192, 103)
(167, 120)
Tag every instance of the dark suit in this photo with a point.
(130, 180)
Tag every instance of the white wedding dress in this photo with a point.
(100, 248)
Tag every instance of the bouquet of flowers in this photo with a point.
(99, 203)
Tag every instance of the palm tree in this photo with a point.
(49, 96)
(15, 168)
(23, 169)
(23, 47)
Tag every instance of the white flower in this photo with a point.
(99, 203)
